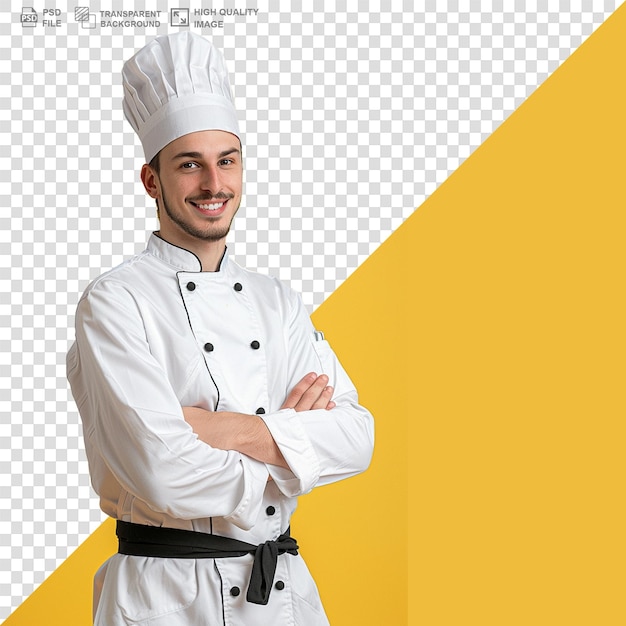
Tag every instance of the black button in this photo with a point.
(270, 510)
(191, 286)
(235, 591)
(237, 287)
(255, 345)
(279, 585)
(208, 347)
(260, 411)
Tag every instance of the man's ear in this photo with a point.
(149, 180)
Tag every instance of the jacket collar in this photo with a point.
(180, 258)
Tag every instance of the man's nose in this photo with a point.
(211, 179)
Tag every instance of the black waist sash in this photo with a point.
(141, 540)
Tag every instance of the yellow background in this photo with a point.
(518, 429)
(487, 337)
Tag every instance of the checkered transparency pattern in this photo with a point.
(350, 120)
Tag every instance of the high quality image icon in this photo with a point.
(179, 17)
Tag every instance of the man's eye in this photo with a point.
(226, 162)
(189, 166)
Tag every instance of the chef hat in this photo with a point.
(175, 85)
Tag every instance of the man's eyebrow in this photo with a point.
(199, 155)
(221, 155)
(187, 155)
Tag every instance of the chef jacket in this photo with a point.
(156, 334)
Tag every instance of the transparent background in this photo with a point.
(350, 120)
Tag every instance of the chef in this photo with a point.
(209, 401)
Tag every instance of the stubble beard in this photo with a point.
(210, 233)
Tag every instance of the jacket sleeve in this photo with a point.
(133, 420)
(320, 446)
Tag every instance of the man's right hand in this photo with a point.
(312, 392)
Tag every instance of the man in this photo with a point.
(209, 402)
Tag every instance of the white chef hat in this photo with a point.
(175, 85)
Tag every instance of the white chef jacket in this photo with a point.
(156, 334)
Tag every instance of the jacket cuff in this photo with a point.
(255, 481)
(290, 436)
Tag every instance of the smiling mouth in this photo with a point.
(210, 207)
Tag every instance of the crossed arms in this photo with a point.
(249, 434)
(130, 373)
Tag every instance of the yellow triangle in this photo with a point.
(518, 338)
(487, 337)
(64, 598)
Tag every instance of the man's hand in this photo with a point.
(312, 392)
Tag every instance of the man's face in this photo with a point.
(198, 186)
